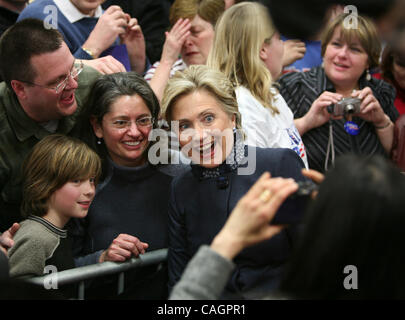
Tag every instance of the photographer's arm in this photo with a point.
(317, 115)
(372, 111)
(385, 133)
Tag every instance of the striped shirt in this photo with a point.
(179, 65)
(301, 89)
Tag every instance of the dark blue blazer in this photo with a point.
(198, 209)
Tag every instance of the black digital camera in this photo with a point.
(345, 106)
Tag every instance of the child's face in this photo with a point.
(73, 199)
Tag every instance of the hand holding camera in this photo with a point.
(344, 107)
(318, 115)
(363, 104)
(370, 108)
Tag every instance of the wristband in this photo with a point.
(384, 126)
(89, 52)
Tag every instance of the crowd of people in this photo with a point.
(123, 132)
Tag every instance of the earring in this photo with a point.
(98, 141)
(368, 75)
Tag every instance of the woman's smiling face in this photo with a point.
(125, 139)
(205, 130)
(344, 63)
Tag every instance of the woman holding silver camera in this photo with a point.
(349, 51)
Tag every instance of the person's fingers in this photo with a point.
(271, 186)
(177, 26)
(178, 22)
(136, 28)
(280, 192)
(14, 228)
(4, 250)
(272, 230)
(116, 249)
(314, 175)
(302, 49)
(121, 26)
(331, 95)
(117, 14)
(7, 243)
(107, 65)
(257, 187)
(133, 244)
(183, 37)
(361, 94)
(114, 256)
(367, 100)
(371, 107)
(132, 23)
(112, 9)
(185, 26)
(124, 244)
(105, 69)
(276, 188)
(138, 248)
(116, 65)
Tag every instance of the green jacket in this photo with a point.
(18, 134)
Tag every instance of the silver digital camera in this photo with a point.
(345, 106)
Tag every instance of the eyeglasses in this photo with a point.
(141, 122)
(62, 85)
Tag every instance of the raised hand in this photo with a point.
(110, 25)
(134, 40)
(293, 50)
(318, 114)
(174, 41)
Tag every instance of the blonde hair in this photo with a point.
(54, 161)
(365, 32)
(201, 77)
(208, 10)
(239, 35)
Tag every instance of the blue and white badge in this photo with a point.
(352, 128)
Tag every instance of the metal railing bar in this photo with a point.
(102, 269)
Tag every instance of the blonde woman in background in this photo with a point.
(248, 49)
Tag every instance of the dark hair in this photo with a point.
(54, 161)
(104, 92)
(387, 62)
(357, 219)
(19, 43)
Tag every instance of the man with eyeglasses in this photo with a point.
(43, 92)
